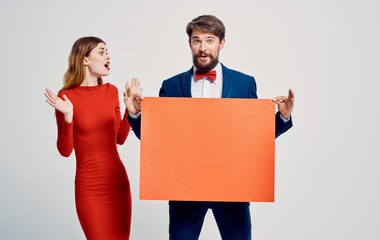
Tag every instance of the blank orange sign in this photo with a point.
(201, 149)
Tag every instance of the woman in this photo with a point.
(89, 121)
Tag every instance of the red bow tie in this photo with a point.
(211, 75)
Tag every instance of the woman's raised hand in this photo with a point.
(63, 105)
(133, 96)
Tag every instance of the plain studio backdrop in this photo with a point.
(327, 165)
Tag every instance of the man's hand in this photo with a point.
(133, 96)
(285, 104)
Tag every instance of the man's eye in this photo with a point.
(210, 41)
(196, 41)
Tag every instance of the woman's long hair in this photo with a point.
(76, 71)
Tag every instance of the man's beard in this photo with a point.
(208, 67)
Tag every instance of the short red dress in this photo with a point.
(102, 191)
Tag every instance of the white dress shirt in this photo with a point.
(206, 88)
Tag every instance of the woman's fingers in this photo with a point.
(127, 86)
(65, 97)
(51, 100)
(133, 83)
(51, 94)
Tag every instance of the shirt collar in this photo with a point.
(219, 74)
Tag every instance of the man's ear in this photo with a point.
(221, 44)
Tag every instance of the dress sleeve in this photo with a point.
(65, 135)
(122, 125)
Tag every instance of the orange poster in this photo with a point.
(207, 149)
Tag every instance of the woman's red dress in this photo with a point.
(102, 191)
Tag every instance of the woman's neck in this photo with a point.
(89, 81)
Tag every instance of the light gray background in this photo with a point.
(327, 51)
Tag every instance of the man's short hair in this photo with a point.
(206, 24)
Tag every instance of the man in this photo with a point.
(208, 78)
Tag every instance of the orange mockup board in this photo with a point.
(202, 149)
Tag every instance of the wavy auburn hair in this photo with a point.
(76, 72)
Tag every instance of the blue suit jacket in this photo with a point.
(235, 85)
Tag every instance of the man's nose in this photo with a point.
(202, 47)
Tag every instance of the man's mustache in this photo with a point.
(203, 54)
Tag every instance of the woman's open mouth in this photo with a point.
(107, 65)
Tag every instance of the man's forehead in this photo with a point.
(198, 33)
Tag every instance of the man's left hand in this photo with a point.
(285, 104)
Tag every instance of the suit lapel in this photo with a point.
(228, 79)
(186, 83)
